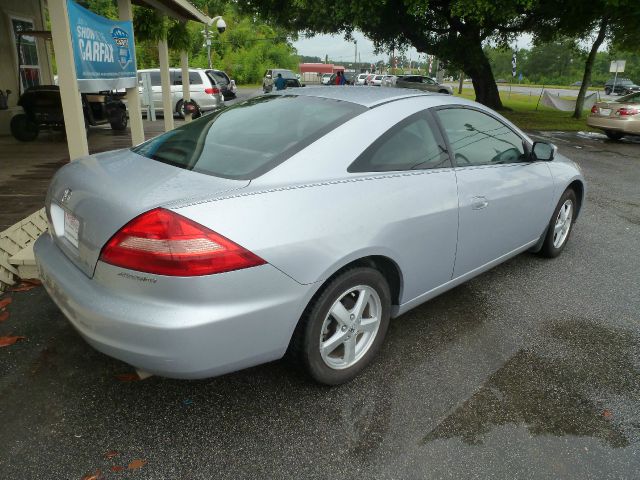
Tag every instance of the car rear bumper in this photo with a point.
(176, 327)
(616, 124)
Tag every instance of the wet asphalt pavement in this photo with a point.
(529, 371)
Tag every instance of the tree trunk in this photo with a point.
(477, 66)
(586, 78)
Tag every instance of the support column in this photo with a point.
(133, 95)
(165, 81)
(186, 84)
(71, 102)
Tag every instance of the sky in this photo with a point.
(340, 50)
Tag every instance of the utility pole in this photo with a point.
(207, 43)
(355, 58)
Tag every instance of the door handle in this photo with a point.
(478, 203)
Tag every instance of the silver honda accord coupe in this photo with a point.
(295, 224)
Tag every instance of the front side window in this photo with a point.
(428, 81)
(249, 138)
(410, 145)
(28, 64)
(479, 139)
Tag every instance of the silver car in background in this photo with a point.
(420, 82)
(204, 251)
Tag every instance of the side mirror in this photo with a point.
(544, 151)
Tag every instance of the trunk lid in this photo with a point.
(90, 199)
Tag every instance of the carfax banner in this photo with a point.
(103, 50)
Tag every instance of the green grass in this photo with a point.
(524, 114)
(539, 85)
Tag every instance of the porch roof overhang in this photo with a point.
(178, 9)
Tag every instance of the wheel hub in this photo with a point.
(350, 327)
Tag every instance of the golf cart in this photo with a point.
(42, 107)
(42, 104)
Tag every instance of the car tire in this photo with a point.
(120, 120)
(559, 230)
(23, 129)
(444, 91)
(607, 91)
(355, 342)
(180, 110)
(613, 135)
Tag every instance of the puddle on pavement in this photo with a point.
(582, 380)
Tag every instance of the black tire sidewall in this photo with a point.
(612, 135)
(121, 122)
(318, 369)
(179, 106)
(548, 249)
(23, 129)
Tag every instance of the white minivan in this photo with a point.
(205, 91)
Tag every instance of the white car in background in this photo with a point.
(326, 78)
(204, 90)
(389, 81)
(376, 81)
(362, 79)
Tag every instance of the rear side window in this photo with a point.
(249, 138)
(155, 79)
(195, 78)
(479, 139)
(413, 144)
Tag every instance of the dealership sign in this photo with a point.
(103, 51)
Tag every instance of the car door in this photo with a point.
(156, 88)
(429, 85)
(504, 197)
(420, 188)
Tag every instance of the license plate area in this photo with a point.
(605, 112)
(71, 228)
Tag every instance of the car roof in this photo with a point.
(366, 96)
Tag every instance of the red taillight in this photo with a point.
(163, 242)
(212, 91)
(594, 109)
(625, 111)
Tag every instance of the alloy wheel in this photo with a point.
(350, 328)
(563, 224)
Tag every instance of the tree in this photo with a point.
(453, 30)
(558, 62)
(615, 21)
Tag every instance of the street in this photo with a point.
(528, 371)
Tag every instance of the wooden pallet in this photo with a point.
(15, 244)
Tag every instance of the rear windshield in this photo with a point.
(219, 77)
(631, 98)
(284, 73)
(249, 138)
